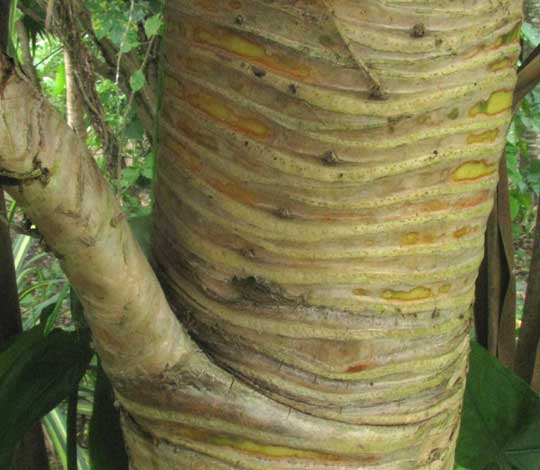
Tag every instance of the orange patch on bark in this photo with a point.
(487, 136)
(360, 292)
(223, 112)
(358, 368)
(474, 200)
(445, 288)
(416, 238)
(463, 231)
(233, 190)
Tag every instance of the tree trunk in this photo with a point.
(324, 181)
(325, 175)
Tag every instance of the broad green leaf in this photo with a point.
(152, 25)
(500, 426)
(105, 441)
(55, 427)
(36, 373)
(137, 81)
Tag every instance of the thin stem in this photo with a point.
(71, 425)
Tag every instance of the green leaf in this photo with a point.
(36, 373)
(514, 206)
(105, 441)
(500, 426)
(59, 86)
(147, 169)
(129, 176)
(137, 81)
(152, 25)
(530, 33)
(55, 427)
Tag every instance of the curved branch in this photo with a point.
(134, 330)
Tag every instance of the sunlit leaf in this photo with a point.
(152, 25)
(137, 81)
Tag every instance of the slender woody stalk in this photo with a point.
(59, 186)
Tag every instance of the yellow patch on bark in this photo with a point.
(510, 37)
(222, 112)
(249, 446)
(502, 64)
(486, 136)
(454, 114)
(445, 288)
(360, 292)
(473, 170)
(250, 50)
(418, 293)
(463, 231)
(415, 238)
(498, 102)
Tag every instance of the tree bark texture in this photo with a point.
(325, 175)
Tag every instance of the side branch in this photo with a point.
(135, 331)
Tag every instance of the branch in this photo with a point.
(66, 26)
(26, 54)
(134, 329)
(528, 76)
(529, 334)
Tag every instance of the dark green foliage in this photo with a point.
(106, 442)
(36, 373)
(500, 427)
